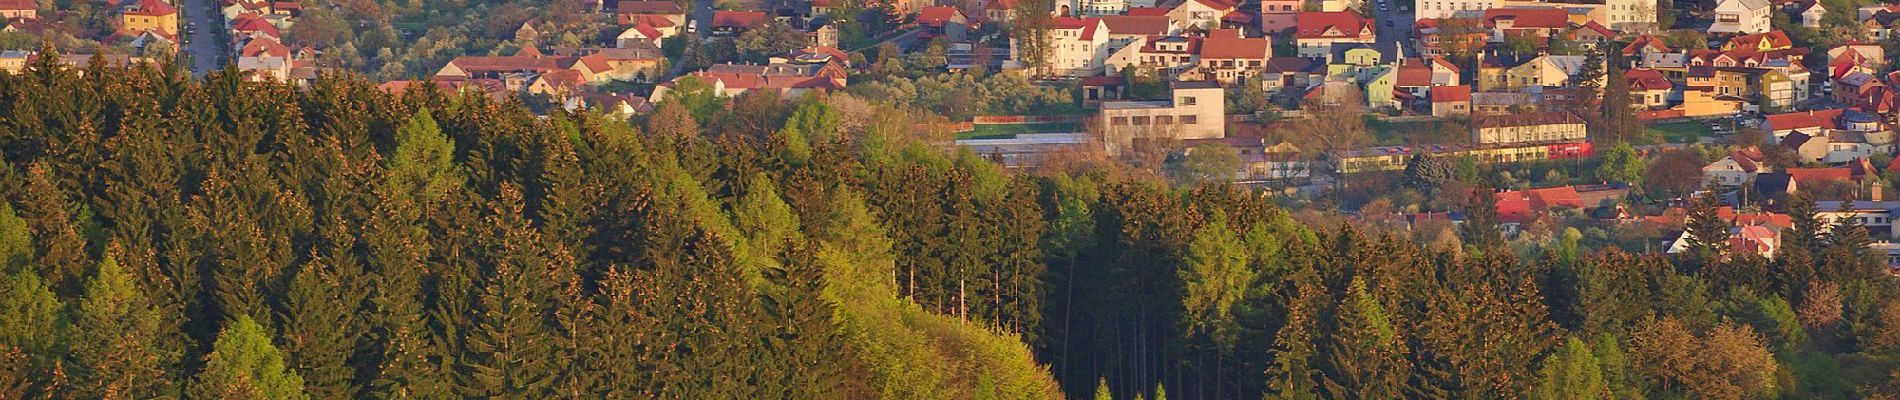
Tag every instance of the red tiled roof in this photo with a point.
(1136, 24)
(1450, 94)
(1314, 25)
(1529, 18)
(151, 8)
(1147, 11)
(648, 7)
(18, 5)
(1561, 196)
(1216, 4)
(1066, 22)
(1235, 48)
(737, 19)
(1598, 28)
(1238, 17)
(1088, 28)
(1641, 79)
(1645, 41)
(254, 25)
(1414, 75)
(1775, 38)
(1805, 119)
(937, 15)
(1110, 81)
(264, 47)
(1809, 175)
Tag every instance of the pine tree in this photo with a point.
(1847, 254)
(117, 349)
(1805, 231)
(16, 239)
(60, 248)
(244, 364)
(319, 332)
(1101, 390)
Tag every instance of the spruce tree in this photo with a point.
(509, 343)
(1365, 357)
(33, 325)
(244, 364)
(422, 163)
(60, 249)
(1848, 255)
(1707, 232)
(16, 240)
(117, 346)
(1571, 373)
(319, 331)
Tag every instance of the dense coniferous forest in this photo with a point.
(164, 237)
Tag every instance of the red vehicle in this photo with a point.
(1572, 150)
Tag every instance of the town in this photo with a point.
(1610, 118)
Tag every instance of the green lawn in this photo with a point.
(1005, 131)
(1679, 132)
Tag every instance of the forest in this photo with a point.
(170, 237)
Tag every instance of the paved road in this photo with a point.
(205, 44)
(1395, 27)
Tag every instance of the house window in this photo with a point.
(1118, 121)
(1190, 119)
(1187, 100)
(1139, 121)
(1164, 120)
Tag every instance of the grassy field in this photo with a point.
(1005, 131)
(1678, 132)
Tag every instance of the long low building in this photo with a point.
(1538, 127)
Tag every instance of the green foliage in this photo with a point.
(1621, 163)
(422, 164)
(1208, 162)
(244, 364)
(1572, 373)
(117, 343)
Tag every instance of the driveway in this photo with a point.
(205, 45)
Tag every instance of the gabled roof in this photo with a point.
(1346, 24)
(937, 15)
(264, 47)
(1810, 175)
(1277, 65)
(1144, 25)
(1414, 75)
(1824, 118)
(1746, 4)
(1645, 43)
(1235, 48)
(1641, 79)
(1775, 38)
(1796, 140)
(648, 7)
(1529, 18)
(1593, 26)
(254, 25)
(737, 19)
(1147, 11)
(1451, 94)
(151, 8)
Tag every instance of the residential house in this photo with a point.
(1448, 101)
(1846, 147)
(1856, 88)
(1807, 147)
(789, 80)
(1230, 59)
(1496, 103)
(732, 23)
(1592, 34)
(1544, 71)
(1194, 110)
(1774, 90)
(1291, 72)
(1124, 30)
(1539, 127)
(14, 61)
(1534, 22)
(1857, 53)
(1077, 47)
(639, 33)
(1278, 15)
(1783, 124)
(1096, 89)
(1436, 37)
(1742, 17)
(1317, 32)
(1630, 15)
(19, 9)
(1811, 14)
(630, 12)
(1876, 216)
(1203, 14)
(1443, 9)
(149, 15)
(1739, 167)
(1760, 42)
(1650, 89)
(999, 11)
(1644, 45)
(942, 21)
(265, 59)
